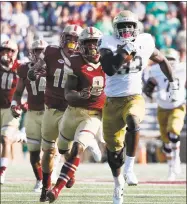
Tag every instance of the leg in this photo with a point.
(175, 125)
(114, 132)
(163, 116)
(9, 127)
(67, 171)
(50, 122)
(33, 122)
(6, 149)
(133, 114)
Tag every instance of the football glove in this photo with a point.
(31, 75)
(85, 93)
(15, 110)
(128, 49)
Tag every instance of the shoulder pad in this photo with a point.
(108, 42)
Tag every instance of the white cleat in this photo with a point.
(54, 176)
(95, 150)
(130, 179)
(118, 195)
(2, 178)
(38, 187)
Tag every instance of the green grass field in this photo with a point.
(94, 185)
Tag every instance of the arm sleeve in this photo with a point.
(110, 62)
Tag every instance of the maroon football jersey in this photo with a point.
(8, 81)
(89, 76)
(55, 77)
(35, 89)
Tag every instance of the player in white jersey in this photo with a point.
(170, 114)
(123, 57)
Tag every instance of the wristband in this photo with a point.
(174, 85)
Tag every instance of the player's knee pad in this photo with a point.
(34, 157)
(167, 149)
(173, 137)
(115, 159)
(132, 123)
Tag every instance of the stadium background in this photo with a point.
(166, 21)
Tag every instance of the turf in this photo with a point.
(94, 185)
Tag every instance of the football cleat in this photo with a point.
(38, 186)
(118, 194)
(131, 179)
(95, 150)
(71, 182)
(53, 194)
(43, 197)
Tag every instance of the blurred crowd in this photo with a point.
(22, 21)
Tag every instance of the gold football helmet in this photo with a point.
(125, 26)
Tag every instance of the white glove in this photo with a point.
(174, 94)
(128, 49)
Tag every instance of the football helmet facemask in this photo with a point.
(125, 26)
(88, 40)
(69, 37)
(8, 54)
(37, 47)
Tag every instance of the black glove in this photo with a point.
(31, 75)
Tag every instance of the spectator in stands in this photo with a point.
(32, 12)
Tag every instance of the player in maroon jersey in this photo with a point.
(8, 81)
(85, 95)
(58, 64)
(35, 100)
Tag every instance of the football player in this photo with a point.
(123, 57)
(170, 114)
(82, 119)
(8, 81)
(57, 62)
(33, 121)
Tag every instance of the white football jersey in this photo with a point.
(128, 80)
(162, 95)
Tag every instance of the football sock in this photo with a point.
(3, 164)
(67, 172)
(176, 149)
(129, 164)
(118, 180)
(37, 171)
(46, 180)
